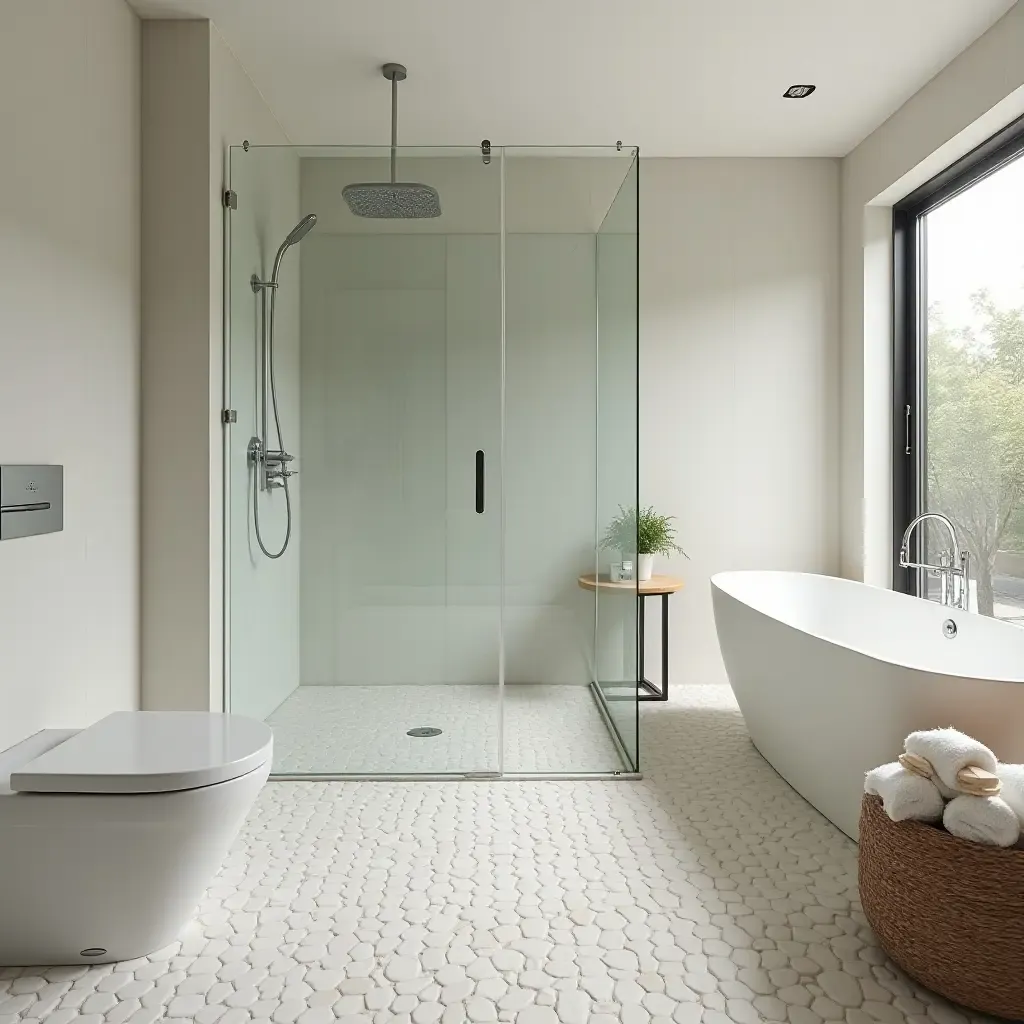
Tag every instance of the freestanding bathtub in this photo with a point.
(831, 675)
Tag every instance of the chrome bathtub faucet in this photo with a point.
(953, 565)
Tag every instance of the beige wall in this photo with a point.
(978, 93)
(739, 278)
(196, 100)
(176, 408)
(69, 348)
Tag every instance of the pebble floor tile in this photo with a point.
(709, 893)
(362, 730)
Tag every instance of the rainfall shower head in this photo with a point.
(297, 234)
(392, 200)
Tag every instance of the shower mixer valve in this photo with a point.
(276, 470)
(275, 465)
(272, 465)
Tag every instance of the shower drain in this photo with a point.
(424, 730)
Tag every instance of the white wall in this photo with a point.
(197, 100)
(978, 93)
(69, 348)
(738, 375)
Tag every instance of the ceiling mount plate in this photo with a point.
(394, 72)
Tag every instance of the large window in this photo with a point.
(959, 383)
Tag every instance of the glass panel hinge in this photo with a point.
(229, 416)
(231, 199)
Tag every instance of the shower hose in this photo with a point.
(268, 334)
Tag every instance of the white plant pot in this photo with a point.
(644, 567)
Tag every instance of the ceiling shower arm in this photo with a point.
(394, 126)
(392, 199)
(395, 73)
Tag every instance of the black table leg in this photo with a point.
(664, 646)
(641, 609)
(646, 689)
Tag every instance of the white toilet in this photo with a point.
(109, 835)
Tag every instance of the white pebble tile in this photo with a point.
(709, 893)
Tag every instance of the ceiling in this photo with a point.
(676, 77)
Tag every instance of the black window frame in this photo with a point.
(910, 304)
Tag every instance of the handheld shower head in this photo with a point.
(296, 235)
(299, 232)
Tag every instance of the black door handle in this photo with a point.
(479, 481)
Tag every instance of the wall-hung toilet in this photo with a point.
(109, 835)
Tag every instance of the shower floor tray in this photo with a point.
(364, 730)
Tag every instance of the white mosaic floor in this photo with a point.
(362, 730)
(709, 893)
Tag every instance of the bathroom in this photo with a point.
(679, 284)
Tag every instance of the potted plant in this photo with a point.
(644, 533)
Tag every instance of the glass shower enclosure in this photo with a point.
(432, 422)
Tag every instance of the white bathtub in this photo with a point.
(831, 675)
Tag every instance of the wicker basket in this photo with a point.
(948, 912)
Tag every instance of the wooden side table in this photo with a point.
(656, 586)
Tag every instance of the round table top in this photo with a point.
(655, 585)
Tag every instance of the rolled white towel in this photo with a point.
(1012, 778)
(982, 819)
(949, 751)
(905, 796)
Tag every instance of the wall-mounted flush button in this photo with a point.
(31, 500)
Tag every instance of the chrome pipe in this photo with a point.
(394, 127)
(264, 429)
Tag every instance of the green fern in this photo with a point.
(645, 533)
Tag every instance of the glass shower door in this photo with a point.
(570, 691)
(394, 375)
(617, 608)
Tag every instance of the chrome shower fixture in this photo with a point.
(393, 200)
(270, 466)
(297, 234)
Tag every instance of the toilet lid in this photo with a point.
(149, 752)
